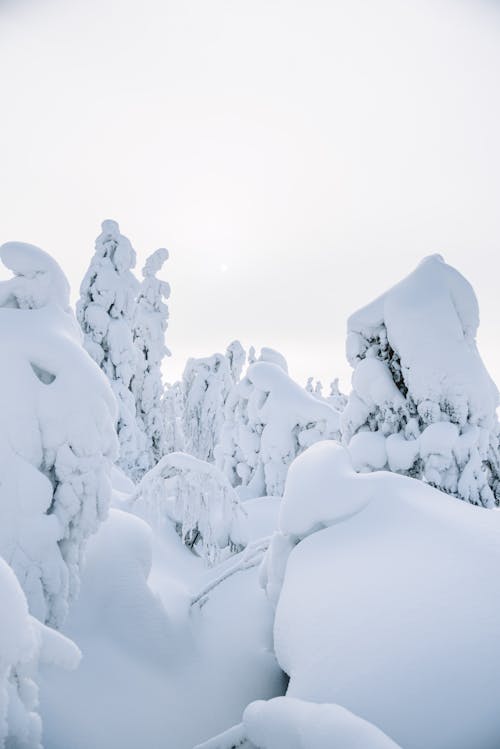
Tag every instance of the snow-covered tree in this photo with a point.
(24, 643)
(199, 500)
(106, 314)
(173, 410)
(422, 401)
(269, 420)
(206, 386)
(57, 442)
(150, 324)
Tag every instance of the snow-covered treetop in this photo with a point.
(38, 279)
(431, 319)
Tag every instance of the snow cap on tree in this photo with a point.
(422, 402)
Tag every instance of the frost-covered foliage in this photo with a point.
(106, 314)
(57, 441)
(380, 597)
(288, 723)
(422, 402)
(269, 420)
(173, 410)
(24, 642)
(206, 386)
(150, 324)
(199, 500)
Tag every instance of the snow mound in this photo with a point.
(417, 368)
(38, 279)
(391, 610)
(287, 723)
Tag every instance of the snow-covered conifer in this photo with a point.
(422, 401)
(199, 500)
(269, 420)
(206, 385)
(57, 442)
(106, 314)
(150, 324)
(24, 643)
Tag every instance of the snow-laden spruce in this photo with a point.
(106, 311)
(57, 441)
(173, 416)
(149, 326)
(199, 500)
(206, 385)
(422, 401)
(24, 643)
(269, 420)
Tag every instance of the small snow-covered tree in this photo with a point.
(199, 500)
(422, 402)
(149, 326)
(106, 314)
(57, 442)
(206, 386)
(24, 643)
(269, 420)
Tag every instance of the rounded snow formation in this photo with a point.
(38, 278)
(287, 723)
(322, 488)
(391, 611)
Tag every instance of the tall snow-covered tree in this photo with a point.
(207, 383)
(57, 442)
(269, 420)
(105, 311)
(422, 401)
(150, 324)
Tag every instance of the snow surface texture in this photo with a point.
(105, 311)
(57, 442)
(206, 385)
(382, 605)
(422, 401)
(288, 723)
(24, 642)
(150, 323)
(269, 420)
(199, 500)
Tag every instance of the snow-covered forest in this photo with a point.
(237, 559)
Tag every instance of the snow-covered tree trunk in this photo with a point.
(422, 402)
(106, 314)
(57, 442)
(150, 324)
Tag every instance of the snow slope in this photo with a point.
(390, 602)
(157, 671)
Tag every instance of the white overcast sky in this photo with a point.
(297, 157)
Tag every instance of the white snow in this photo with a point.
(390, 603)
